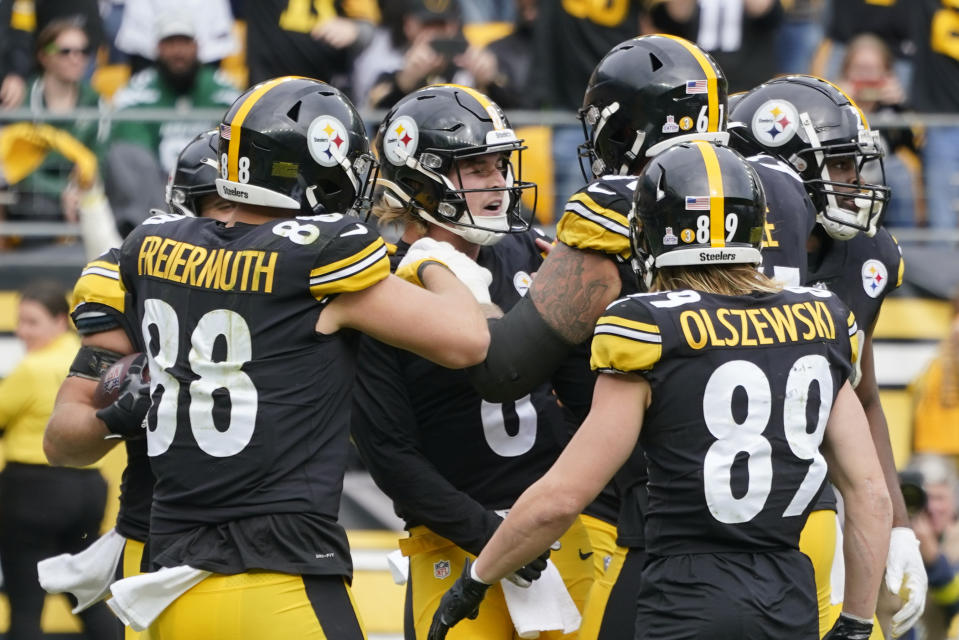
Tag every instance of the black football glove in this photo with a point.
(124, 418)
(849, 627)
(461, 601)
(525, 575)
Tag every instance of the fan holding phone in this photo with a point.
(434, 50)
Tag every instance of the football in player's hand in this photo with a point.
(112, 379)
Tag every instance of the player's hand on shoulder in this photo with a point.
(425, 250)
(461, 601)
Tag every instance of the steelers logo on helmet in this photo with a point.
(400, 140)
(328, 141)
(775, 123)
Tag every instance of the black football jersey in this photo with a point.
(596, 217)
(790, 218)
(586, 31)
(443, 454)
(250, 414)
(98, 305)
(935, 82)
(861, 271)
(741, 393)
(279, 41)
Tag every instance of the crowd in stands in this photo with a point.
(104, 174)
(118, 56)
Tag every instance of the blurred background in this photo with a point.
(97, 97)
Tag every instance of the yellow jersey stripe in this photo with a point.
(95, 288)
(630, 324)
(611, 214)
(712, 81)
(345, 262)
(717, 198)
(612, 352)
(902, 262)
(357, 277)
(584, 233)
(102, 268)
(236, 123)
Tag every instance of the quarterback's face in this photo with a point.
(482, 172)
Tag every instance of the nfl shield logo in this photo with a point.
(441, 569)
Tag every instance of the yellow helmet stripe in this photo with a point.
(712, 80)
(233, 157)
(717, 198)
(862, 116)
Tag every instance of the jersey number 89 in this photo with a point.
(746, 436)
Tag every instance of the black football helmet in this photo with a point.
(646, 94)
(194, 175)
(419, 145)
(698, 203)
(295, 143)
(806, 121)
(732, 100)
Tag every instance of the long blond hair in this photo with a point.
(402, 217)
(730, 280)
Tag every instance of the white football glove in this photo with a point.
(905, 569)
(476, 278)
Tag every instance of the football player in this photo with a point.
(105, 331)
(732, 384)
(646, 94)
(814, 128)
(450, 461)
(245, 327)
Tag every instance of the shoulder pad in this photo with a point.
(626, 337)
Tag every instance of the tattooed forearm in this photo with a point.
(572, 288)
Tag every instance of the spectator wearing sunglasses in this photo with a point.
(51, 191)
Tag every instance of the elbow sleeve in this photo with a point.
(523, 353)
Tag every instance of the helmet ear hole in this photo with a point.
(294, 112)
(655, 62)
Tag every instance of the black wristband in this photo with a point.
(848, 627)
(91, 362)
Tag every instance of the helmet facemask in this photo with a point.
(642, 260)
(598, 124)
(194, 175)
(327, 194)
(845, 208)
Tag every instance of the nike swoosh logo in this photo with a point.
(584, 556)
(356, 231)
